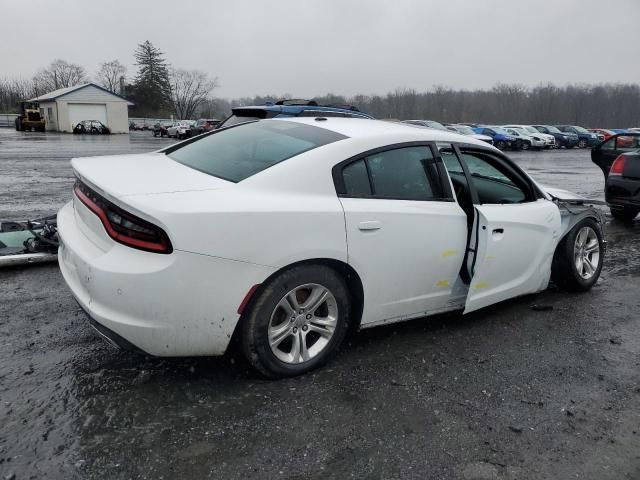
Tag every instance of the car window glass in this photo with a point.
(492, 184)
(404, 173)
(237, 153)
(356, 179)
(627, 143)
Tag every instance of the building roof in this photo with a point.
(61, 92)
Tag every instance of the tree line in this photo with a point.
(609, 105)
(159, 90)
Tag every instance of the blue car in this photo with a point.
(290, 108)
(501, 138)
(585, 137)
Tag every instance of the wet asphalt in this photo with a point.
(509, 392)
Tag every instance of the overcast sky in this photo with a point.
(312, 47)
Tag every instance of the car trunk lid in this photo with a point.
(142, 174)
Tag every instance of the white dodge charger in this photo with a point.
(288, 233)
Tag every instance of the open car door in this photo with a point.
(604, 154)
(514, 234)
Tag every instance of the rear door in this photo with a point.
(406, 236)
(514, 235)
(604, 154)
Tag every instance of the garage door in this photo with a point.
(87, 111)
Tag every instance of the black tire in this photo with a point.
(569, 146)
(626, 214)
(256, 320)
(582, 144)
(18, 125)
(564, 271)
(501, 145)
(526, 146)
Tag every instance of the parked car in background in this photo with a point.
(290, 108)
(603, 133)
(563, 139)
(466, 130)
(619, 159)
(204, 125)
(585, 137)
(426, 123)
(160, 129)
(161, 251)
(179, 130)
(95, 127)
(548, 139)
(502, 139)
(528, 141)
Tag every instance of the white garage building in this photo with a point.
(64, 108)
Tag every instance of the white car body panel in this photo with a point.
(549, 140)
(514, 251)
(229, 237)
(425, 261)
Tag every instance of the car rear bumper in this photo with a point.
(622, 191)
(180, 304)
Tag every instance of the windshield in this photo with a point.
(237, 153)
(531, 130)
(501, 131)
(581, 130)
(552, 129)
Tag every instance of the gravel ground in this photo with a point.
(509, 392)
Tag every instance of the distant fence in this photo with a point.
(8, 119)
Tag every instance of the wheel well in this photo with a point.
(346, 271)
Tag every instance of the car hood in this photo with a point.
(142, 174)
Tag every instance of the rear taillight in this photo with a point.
(617, 167)
(121, 225)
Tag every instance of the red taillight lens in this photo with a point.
(121, 225)
(617, 167)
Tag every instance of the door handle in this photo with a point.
(370, 225)
(498, 231)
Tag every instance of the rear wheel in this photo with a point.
(500, 145)
(578, 259)
(297, 322)
(625, 214)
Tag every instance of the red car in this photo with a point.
(603, 134)
(204, 125)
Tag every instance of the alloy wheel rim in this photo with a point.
(303, 323)
(586, 252)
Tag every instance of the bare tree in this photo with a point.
(189, 89)
(59, 74)
(109, 75)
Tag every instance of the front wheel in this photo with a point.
(297, 322)
(526, 146)
(577, 262)
(501, 145)
(582, 144)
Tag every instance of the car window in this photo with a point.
(407, 173)
(237, 153)
(356, 179)
(493, 185)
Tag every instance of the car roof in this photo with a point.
(297, 109)
(386, 131)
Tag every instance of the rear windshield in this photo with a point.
(237, 153)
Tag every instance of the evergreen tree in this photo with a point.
(151, 88)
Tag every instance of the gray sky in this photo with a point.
(309, 47)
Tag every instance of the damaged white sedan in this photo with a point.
(288, 233)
